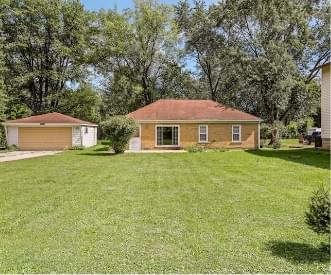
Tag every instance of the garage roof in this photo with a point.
(56, 118)
(208, 110)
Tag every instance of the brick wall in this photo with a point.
(219, 135)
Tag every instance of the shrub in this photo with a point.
(265, 131)
(195, 148)
(318, 214)
(119, 130)
(292, 130)
(303, 125)
(3, 141)
(12, 147)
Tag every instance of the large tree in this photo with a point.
(137, 52)
(260, 56)
(275, 38)
(210, 49)
(3, 96)
(83, 103)
(45, 49)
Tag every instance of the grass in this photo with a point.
(212, 212)
(286, 143)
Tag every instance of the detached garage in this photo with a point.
(53, 131)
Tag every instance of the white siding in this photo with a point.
(12, 135)
(325, 102)
(76, 136)
(89, 138)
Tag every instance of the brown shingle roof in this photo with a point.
(170, 109)
(50, 118)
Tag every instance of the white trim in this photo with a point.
(203, 141)
(258, 136)
(236, 141)
(198, 121)
(166, 125)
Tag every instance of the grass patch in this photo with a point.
(90, 211)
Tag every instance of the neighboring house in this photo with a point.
(53, 131)
(174, 124)
(325, 106)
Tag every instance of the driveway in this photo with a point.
(16, 155)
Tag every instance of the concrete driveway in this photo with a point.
(16, 155)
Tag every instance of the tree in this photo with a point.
(3, 96)
(136, 53)
(273, 39)
(318, 215)
(119, 130)
(210, 49)
(45, 49)
(83, 103)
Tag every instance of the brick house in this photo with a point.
(177, 124)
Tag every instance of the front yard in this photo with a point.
(88, 211)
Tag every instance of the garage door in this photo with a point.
(44, 138)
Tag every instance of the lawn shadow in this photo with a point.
(307, 156)
(100, 151)
(298, 252)
(102, 154)
(103, 148)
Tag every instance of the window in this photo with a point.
(167, 136)
(203, 133)
(236, 133)
(86, 130)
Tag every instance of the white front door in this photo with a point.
(135, 144)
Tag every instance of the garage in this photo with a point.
(50, 138)
(52, 131)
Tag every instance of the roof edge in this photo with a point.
(9, 123)
(197, 120)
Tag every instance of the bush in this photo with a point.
(3, 141)
(318, 215)
(195, 148)
(265, 131)
(292, 130)
(12, 147)
(119, 130)
(303, 125)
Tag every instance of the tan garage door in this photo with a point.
(38, 138)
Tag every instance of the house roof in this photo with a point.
(208, 110)
(56, 118)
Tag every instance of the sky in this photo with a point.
(95, 5)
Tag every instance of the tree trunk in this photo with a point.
(274, 136)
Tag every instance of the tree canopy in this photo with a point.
(262, 57)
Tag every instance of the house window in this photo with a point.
(236, 133)
(86, 130)
(167, 136)
(203, 133)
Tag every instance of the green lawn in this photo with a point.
(88, 211)
(287, 143)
